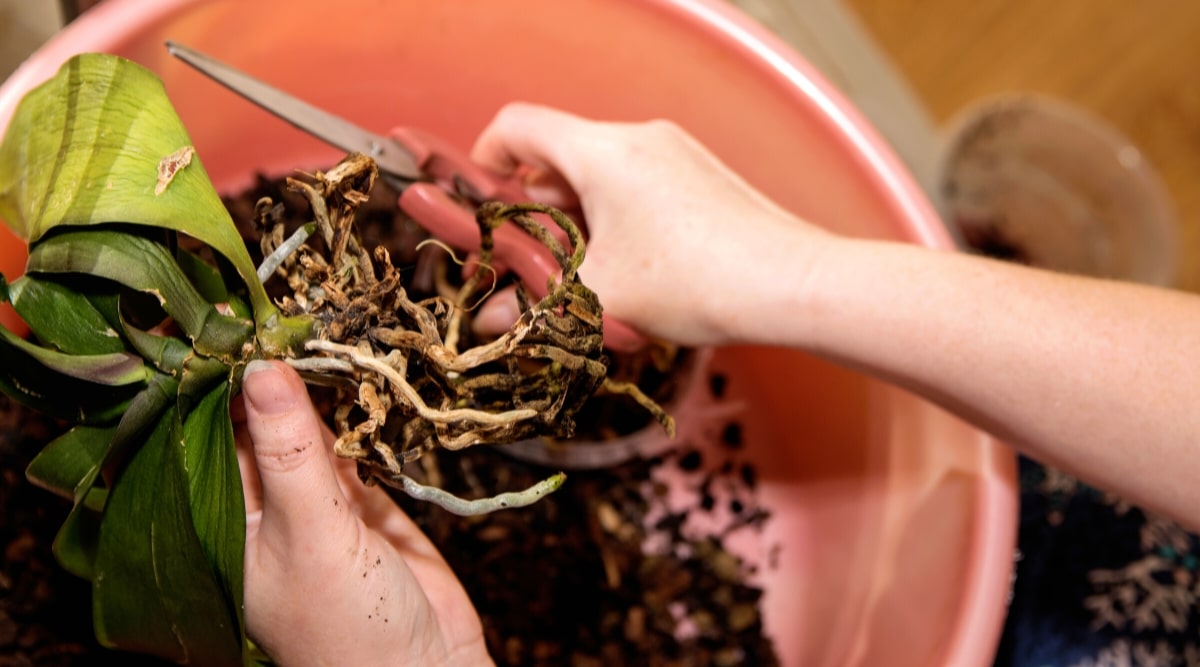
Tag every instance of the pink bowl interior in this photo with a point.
(893, 522)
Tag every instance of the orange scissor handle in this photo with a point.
(444, 164)
(455, 171)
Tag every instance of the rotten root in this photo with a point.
(404, 387)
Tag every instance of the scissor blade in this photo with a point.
(388, 154)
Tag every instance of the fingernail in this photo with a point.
(266, 388)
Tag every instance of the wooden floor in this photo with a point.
(1135, 64)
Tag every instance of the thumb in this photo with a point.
(299, 486)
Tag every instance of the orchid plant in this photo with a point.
(138, 344)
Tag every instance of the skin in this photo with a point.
(1091, 376)
(336, 573)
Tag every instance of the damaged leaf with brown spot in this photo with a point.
(171, 165)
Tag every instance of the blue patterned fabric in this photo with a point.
(1099, 582)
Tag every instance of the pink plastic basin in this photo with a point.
(893, 523)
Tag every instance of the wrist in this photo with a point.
(777, 285)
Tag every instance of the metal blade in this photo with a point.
(388, 154)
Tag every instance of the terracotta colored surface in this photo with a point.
(893, 523)
(12, 263)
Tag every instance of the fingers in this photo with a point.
(530, 136)
(550, 188)
(527, 134)
(507, 142)
(297, 479)
(497, 314)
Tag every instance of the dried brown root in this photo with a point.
(396, 361)
(631, 390)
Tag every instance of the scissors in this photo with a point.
(428, 172)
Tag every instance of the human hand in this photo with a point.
(336, 573)
(671, 229)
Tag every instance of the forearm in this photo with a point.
(1094, 376)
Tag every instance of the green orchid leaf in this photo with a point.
(197, 374)
(212, 283)
(146, 266)
(67, 461)
(108, 304)
(200, 375)
(100, 143)
(142, 413)
(124, 555)
(205, 277)
(239, 307)
(215, 491)
(167, 353)
(77, 542)
(60, 396)
(63, 318)
(154, 591)
(113, 370)
(28, 381)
